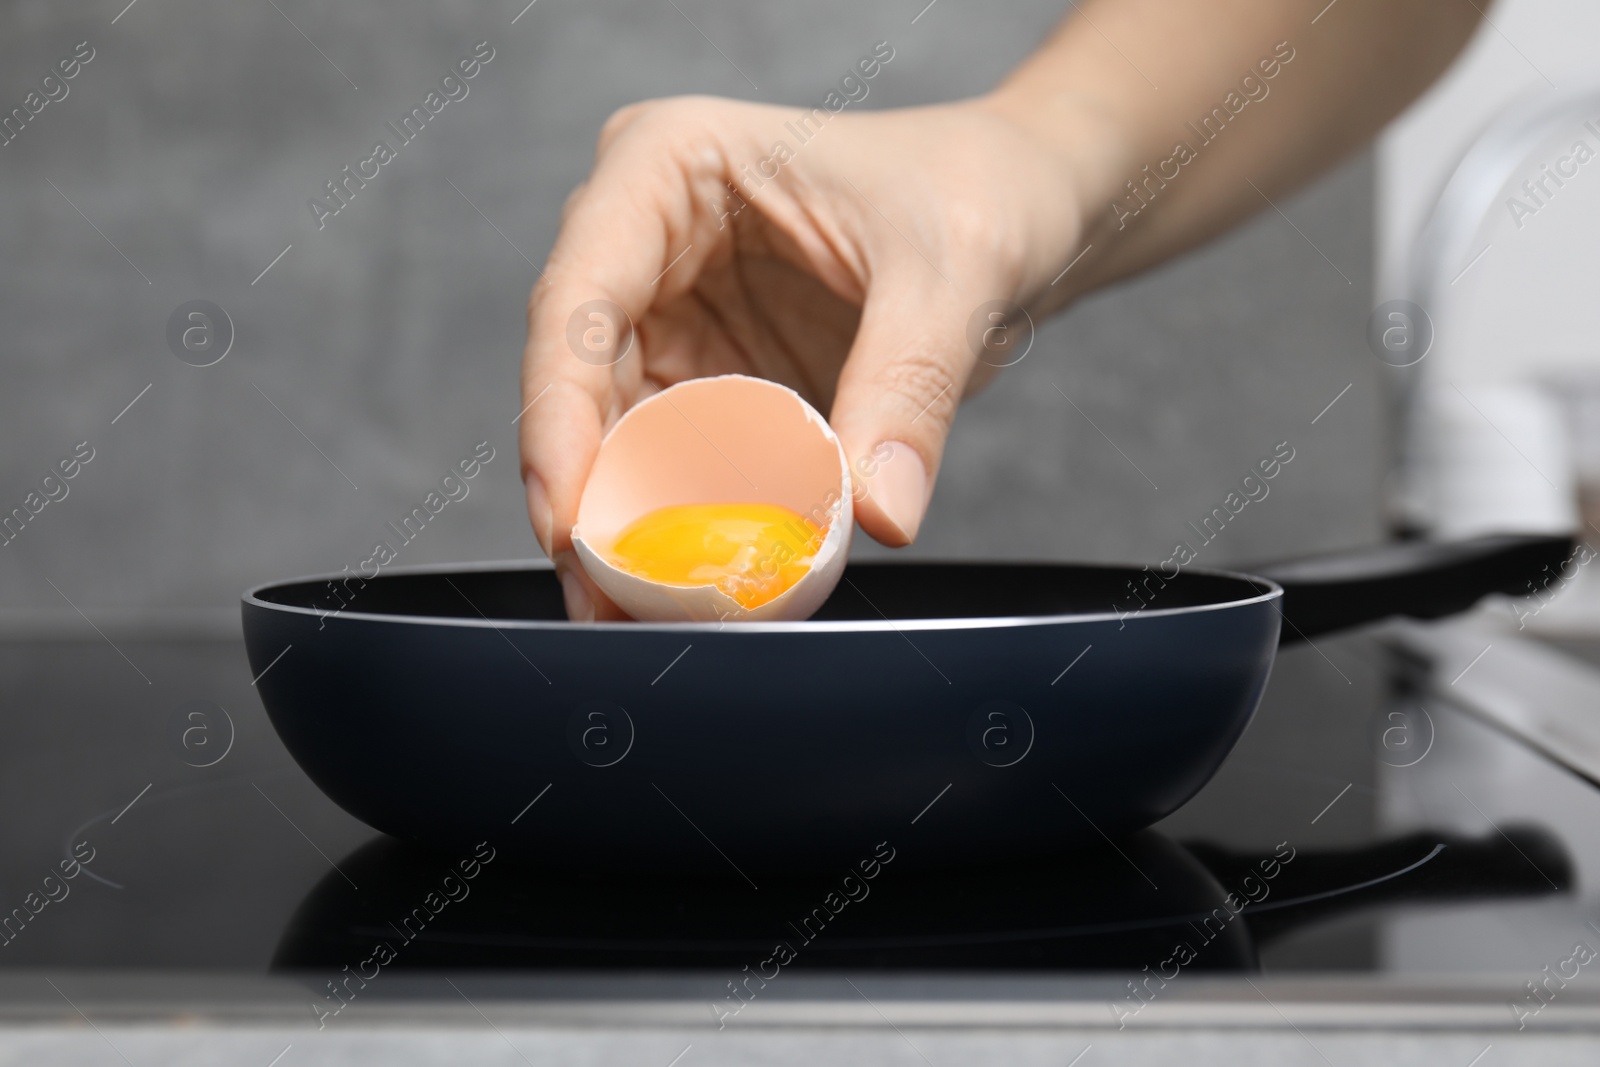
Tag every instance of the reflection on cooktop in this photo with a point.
(1148, 899)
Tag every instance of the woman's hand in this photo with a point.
(851, 266)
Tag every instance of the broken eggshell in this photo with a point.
(727, 439)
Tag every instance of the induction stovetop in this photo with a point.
(1364, 826)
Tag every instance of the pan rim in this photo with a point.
(1273, 592)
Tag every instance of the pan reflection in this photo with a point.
(1151, 906)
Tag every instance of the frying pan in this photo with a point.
(1021, 709)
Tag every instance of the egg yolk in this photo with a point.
(752, 552)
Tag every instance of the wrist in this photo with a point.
(1086, 144)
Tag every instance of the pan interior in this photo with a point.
(869, 592)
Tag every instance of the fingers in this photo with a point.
(897, 394)
(599, 282)
(580, 328)
(563, 429)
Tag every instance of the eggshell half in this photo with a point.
(728, 439)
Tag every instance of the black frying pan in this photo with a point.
(436, 704)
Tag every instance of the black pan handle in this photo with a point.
(1423, 579)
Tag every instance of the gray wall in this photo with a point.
(391, 338)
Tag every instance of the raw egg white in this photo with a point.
(724, 498)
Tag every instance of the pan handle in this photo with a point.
(1423, 579)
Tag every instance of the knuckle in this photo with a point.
(570, 204)
(617, 122)
(979, 236)
(920, 382)
(661, 116)
(969, 225)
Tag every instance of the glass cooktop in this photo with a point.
(1363, 826)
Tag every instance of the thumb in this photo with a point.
(897, 394)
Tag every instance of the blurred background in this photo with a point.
(370, 356)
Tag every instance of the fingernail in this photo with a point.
(579, 607)
(901, 488)
(539, 510)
